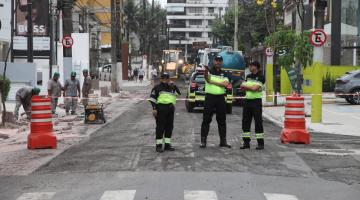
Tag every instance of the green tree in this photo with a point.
(255, 23)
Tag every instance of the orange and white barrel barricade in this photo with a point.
(41, 129)
(294, 130)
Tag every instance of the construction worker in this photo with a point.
(253, 106)
(86, 87)
(163, 99)
(54, 91)
(72, 93)
(23, 97)
(216, 82)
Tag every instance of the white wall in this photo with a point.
(80, 54)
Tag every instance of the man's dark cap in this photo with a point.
(219, 58)
(256, 64)
(165, 76)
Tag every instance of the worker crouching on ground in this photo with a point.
(253, 106)
(216, 82)
(23, 97)
(163, 100)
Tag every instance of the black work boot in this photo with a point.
(224, 144)
(246, 144)
(203, 142)
(261, 144)
(168, 147)
(159, 148)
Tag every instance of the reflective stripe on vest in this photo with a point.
(214, 89)
(166, 98)
(252, 94)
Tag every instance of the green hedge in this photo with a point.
(4, 88)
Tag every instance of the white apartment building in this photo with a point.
(190, 21)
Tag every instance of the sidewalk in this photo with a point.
(16, 159)
(339, 117)
(126, 83)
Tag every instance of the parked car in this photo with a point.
(348, 87)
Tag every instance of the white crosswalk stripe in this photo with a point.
(37, 196)
(130, 195)
(274, 196)
(118, 195)
(199, 195)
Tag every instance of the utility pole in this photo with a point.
(30, 52)
(114, 82)
(236, 5)
(67, 23)
(51, 33)
(316, 101)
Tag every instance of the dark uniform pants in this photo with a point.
(252, 110)
(164, 121)
(214, 103)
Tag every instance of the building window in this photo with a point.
(177, 35)
(195, 34)
(350, 29)
(211, 10)
(195, 10)
(210, 22)
(195, 22)
(210, 35)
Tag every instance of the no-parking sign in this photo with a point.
(318, 38)
(67, 41)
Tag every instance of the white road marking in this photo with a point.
(200, 195)
(273, 196)
(37, 196)
(118, 195)
(336, 152)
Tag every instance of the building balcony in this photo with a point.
(175, 13)
(177, 26)
(206, 17)
(176, 1)
(191, 29)
(190, 40)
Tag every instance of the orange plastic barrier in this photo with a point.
(41, 128)
(295, 125)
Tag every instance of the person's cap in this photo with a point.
(36, 91)
(73, 73)
(85, 71)
(256, 64)
(56, 74)
(219, 58)
(165, 76)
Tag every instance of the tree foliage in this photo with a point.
(148, 22)
(291, 47)
(255, 23)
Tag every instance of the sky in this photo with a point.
(162, 2)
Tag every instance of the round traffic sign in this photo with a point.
(318, 37)
(269, 52)
(67, 41)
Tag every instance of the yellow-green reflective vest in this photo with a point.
(166, 98)
(251, 94)
(214, 89)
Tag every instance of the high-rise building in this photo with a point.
(190, 21)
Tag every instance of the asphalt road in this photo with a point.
(119, 162)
